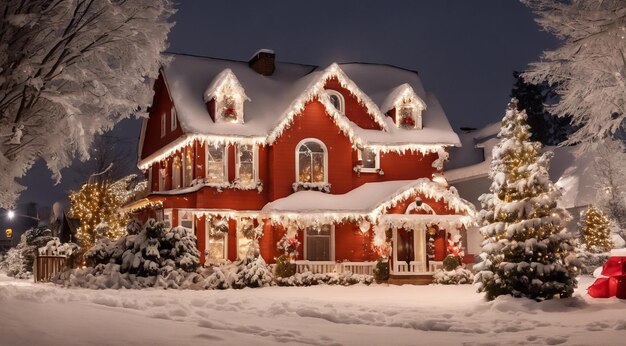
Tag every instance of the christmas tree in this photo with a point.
(527, 252)
(97, 208)
(596, 230)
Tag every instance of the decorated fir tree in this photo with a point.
(596, 230)
(97, 208)
(527, 252)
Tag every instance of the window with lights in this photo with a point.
(216, 163)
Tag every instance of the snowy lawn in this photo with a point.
(44, 314)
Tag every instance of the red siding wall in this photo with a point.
(161, 104)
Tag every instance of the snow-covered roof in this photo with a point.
(368, 200)
(273, 99)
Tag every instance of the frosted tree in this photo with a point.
(527, 252)
(589, 68)
(596, 230)
(610, 169)
(70, 69)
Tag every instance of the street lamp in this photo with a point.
(11, 214)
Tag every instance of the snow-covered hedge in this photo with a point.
(458, 276)
(311, 279)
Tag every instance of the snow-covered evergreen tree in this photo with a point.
(20, 259)
(589, 68)
(596, 230)
(70, 69)
(527, 252)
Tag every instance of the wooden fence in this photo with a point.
(46, 266)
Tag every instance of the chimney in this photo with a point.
(263, 62)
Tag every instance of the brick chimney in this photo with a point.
(263, 62)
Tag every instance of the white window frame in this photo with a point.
(173, 119)
(151, 183)
(239, 237)
(377, 161)
(167, 216)
(176, 173)
(207, 238)
(255, 162)
(161, 178)
(332, 244)
(180, 219)
(224, 159)
(342, 101)
(297, 154)
(163, 124)
(184, 163)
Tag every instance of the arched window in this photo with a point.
(337, 100)
(311, 161)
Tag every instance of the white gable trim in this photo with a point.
(316, 90)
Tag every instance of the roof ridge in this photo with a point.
(379, 64)
(235, 60)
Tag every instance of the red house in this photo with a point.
(345, 158)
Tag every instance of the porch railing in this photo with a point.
(323, 267)
(404, 268)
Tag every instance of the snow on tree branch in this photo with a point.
(589, 68)
(70, 69)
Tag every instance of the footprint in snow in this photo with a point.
(555, 340)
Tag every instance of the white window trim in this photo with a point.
(297, 173)
(416, 111)
(184, 162)
(255, 162)
(163, 124)
(176, 174)
(369, 170)
(239, 236)
(180, 220)
(332, 244)
(173, 119)
(207, 238)
(167, 215)
(161, 178)
(224, 159)
(151, 186)
(342, 101)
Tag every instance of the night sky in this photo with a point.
(464, 51)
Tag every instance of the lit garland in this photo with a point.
(314, 91)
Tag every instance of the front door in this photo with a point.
(406, 251)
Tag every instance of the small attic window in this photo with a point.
(409, 116)
(337, 100)
(229, 106)
(228, 95)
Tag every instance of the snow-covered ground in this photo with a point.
(43, 314)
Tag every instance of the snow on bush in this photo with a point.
(458, 276)
(19, 260)
(311, 279)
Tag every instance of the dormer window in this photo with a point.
(337, 100)
(228, 97)
(406, 117)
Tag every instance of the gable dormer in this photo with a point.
(405, 107)
(225, 98)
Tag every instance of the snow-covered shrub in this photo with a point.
(458, 276)
(381, 271)
(451, 262)
(284, 267)
(311, 279)
(152, 252)
(55, 248)
(590, 261)
(133, 227)
(19, 260)
(253, 272)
